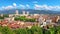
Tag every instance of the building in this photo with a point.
(57, 18)
(27, 13)
(41, 20)
(17, 13)
(48, 21)
(23, 12)
(43, 24)
(10, 15)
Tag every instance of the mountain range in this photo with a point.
(31, 11)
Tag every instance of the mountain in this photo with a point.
(31, 11)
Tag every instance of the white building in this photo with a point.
(17, 13)
(41, 20)
(10, 15)
(23, 12)
(57, 18)
(12, 18)
(48, 21)
(27, 13)
(44, 24)
(36, 14)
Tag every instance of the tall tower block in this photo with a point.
(23, 12)
(17, 12)
(27, 13)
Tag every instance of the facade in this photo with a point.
(17, 13)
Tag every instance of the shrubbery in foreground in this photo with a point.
(33, 30)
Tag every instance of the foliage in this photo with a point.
(36, 30)
(1, 17)
(23, 18)
(21, 31)
(5, 15)
(6, 30)
(32, 30)
(58, 29)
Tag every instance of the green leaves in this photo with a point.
(23, 18)
(5, 15)
(52, 30)
(6, 30)
(1, 17)
(36, 30)
(33, 30)
(58, 29)
(21, 31)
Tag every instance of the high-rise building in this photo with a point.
(27, 13)
(23, 12)
(17, 12)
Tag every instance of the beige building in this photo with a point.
(17, 13)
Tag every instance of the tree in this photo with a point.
(52, 30)
(0, 29)
(1, 17)
(58, 29)
(47, 32)
(5, 15)
(37, 30)
(7, 30)
(23, 18)
(21, 31)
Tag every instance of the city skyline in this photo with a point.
(30, 4)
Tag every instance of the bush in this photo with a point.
(1, 17)
(6, 30)
(33, 30)
(23, 18)
(21, 31)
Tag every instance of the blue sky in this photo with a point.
(31, 4)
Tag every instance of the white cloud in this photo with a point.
(46, 7)
(28, 6)
(22, 6)
(14, 4)
(36, 6)
(3, 7)
(7, 7)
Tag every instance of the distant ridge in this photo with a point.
(31, 11)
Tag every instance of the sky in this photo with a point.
(30, 4)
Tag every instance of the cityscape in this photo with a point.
(30, 19)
